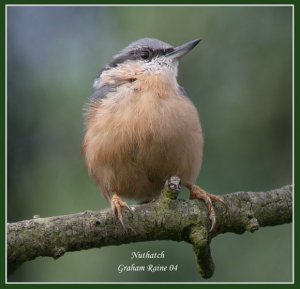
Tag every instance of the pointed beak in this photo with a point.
(183, 49)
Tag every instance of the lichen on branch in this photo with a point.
(167, 218)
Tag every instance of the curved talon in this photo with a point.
(128, 208)
(198, 193)
(217, 199)
(117, 205)
(212, 217)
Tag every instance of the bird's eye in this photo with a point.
(145, 54)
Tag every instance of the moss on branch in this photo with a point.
(167, 218)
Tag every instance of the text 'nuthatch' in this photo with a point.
(141, 128)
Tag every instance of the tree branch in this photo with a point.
(164, 219)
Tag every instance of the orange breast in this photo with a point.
(141, 136)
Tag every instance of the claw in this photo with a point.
(198, 193)
(128, 208)
(213, 223)
(117, 205)
(217, 199)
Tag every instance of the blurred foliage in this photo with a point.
(240, 79)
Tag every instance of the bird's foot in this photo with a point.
(200, 194)
(117, 205)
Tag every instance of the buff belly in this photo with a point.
(133, 146)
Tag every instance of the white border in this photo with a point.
(155, 5)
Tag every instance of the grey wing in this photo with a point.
(98, 94)
(102, 91)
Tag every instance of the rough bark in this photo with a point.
(167, 218)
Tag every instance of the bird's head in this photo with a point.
(146, 56)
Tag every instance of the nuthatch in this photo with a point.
(141, 128)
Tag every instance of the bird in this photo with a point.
(141, 128)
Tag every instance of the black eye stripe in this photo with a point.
(135, 55)
(152, 54)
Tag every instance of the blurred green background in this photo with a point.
(240, 79)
